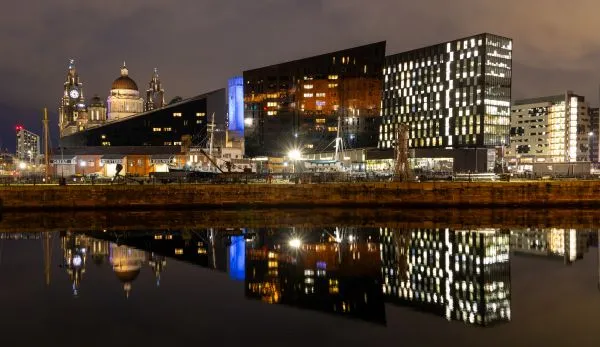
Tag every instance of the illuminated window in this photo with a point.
(200, 114)
(156, 129)
(158, 237)
(198, 121)
(177, 143)
(167, 143)
(167, 129)
(177, 114)
(308, 86)
(320, 95)
(178, 251)
(103, 137)
(320, 120)
(333, 77)
(332, 129)
(308, 95)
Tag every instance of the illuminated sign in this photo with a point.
(161, 161)
(111, 161)
(62, 161)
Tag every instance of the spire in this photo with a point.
(71, 64)
(124, 71)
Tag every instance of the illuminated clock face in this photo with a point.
(74, 93)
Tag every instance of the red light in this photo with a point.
(265, 108)
(19, 127)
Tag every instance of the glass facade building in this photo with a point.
(296, 105)
(451, 95)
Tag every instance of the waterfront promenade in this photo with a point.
(427, 194)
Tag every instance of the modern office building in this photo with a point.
(594, 113)
(552, 129)
(301, 104)
(454, 95)
(166, 126)
(463, 275)
(28, 145)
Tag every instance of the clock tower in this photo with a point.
(72, 107)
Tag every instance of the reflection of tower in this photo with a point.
(598, 250)
(127, 263)
(98, 251)
(47, 257)
(74, 258)
(157, 263)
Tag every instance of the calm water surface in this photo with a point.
(301, 284)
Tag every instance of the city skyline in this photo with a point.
(550, 58)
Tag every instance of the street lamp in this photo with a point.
(293, 155)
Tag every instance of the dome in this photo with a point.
(127, 276)
(124, 82)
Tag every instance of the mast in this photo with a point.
(46, 145)
(47, 257)
(338, 139)
(211, 131)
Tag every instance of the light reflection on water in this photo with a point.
(462, 275)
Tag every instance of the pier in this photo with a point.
(176, 196)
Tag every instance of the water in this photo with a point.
(293, 278)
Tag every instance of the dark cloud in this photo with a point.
(198, 45)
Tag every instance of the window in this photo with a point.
(200, 114)
(177, 143)
(167, 129)
(177, 114)
(156, 129)
(320, 120)
(178, 251)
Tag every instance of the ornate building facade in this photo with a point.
(155, 95)
(72, 105)
(124, 99)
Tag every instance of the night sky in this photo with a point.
(197, 45)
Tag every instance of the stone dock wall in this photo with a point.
(429, 194)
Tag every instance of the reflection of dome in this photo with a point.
(124, 82)
(127, 276)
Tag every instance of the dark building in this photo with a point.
(299, 104)
(159, 127)
(459, 274)
(450, 95)
(594, 113)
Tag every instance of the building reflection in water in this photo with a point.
(317, 271)
(460, 274)
(74, 258)
(127, 263)
(566, 244)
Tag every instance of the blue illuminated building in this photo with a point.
(236, 104)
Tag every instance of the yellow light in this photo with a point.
(295, 154)
(295, 243)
